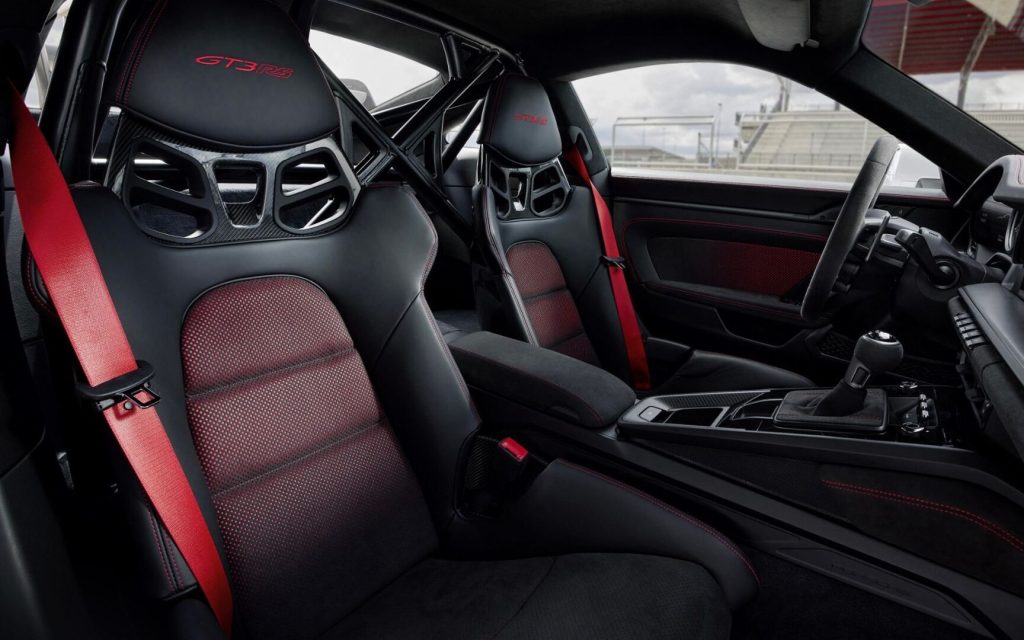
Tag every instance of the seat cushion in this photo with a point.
(592, 596)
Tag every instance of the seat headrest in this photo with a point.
(237, 73)
(519, 123)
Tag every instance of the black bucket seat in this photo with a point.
(542, 234)
(308, 393)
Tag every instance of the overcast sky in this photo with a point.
(385, 74)
(698, 88)
(689, 88)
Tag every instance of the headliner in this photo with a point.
(573, 38)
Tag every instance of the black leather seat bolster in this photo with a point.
(572, 507)
(192, 619)
(541, 379)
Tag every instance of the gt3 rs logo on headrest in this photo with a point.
(532, 119)
(246, 66)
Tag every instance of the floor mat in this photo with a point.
(797, 604)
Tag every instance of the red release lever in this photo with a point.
(514, 449)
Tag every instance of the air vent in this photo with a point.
(524, 192)
(167, 193)
(241, 186)
(500, 188)
(548, 191)
(312, 170)
(165, 171)
(314, 192)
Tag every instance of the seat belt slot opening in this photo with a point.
(132, 388)
(617, 263)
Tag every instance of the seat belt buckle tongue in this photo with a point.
(132, 388)
(618, 262)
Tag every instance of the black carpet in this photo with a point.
(795, 603)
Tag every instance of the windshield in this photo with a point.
(970, 52)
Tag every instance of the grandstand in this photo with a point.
(813, 145)
(824, 144)
(1008, 121)
(831, 145)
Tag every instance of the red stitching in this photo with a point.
(686, 293)
(422, 298)
(493, 116)
(727, 225)
(141, 50)
(131, 54)
(429, 264)
(948, 509)
(160, 549)
(675, 512)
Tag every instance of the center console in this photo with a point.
(927, 415)
(906, 412)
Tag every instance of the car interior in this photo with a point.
(285, 356)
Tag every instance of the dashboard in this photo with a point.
(989, 316)
(990, 230)
(996, 201)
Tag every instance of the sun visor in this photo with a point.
(778, 24)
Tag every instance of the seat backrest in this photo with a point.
(306, 388)
(542, 230)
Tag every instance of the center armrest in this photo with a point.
(542, 379)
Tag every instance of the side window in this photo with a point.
(375, 76)
(44, 67)
(717, 119)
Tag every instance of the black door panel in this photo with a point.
(723, 265)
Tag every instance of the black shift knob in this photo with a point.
(877, 352)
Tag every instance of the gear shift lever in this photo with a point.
(877, 352)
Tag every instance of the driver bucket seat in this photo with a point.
(315, 409)
(544, 278)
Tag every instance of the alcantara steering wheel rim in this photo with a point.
(861, 198)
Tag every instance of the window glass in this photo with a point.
(970, 52)
(44, 68)
(735, 121)
(373, 75)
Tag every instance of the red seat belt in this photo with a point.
(631, 334)
(71, 273)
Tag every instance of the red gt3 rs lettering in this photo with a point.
(532, 119)
(246, 66)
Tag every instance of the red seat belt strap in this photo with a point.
(71, 273)
(631, 333)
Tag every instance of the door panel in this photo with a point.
(737, 266)
(722, 265)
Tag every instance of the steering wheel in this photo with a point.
(862, 197)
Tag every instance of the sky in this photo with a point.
(386, 74)
(686, 88)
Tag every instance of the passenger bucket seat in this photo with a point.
(545, 256)
(307, 392)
